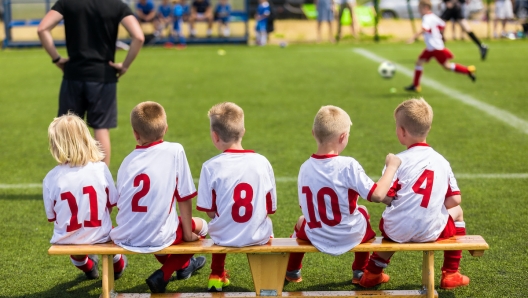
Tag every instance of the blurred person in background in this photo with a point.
(325, 13)
(354, 24)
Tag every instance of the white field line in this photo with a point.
(491, 110)
(294, 179)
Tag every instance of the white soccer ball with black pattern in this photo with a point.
(387, 70)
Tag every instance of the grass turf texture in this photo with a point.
(280, 91)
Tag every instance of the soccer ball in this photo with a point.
(387, 69)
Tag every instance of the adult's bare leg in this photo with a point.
(102, 135)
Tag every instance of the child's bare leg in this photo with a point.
(319, 31)
(418, 70)
(330, 32)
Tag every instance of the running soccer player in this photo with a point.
(432, 30)
(453, 11)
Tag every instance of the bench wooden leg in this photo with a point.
(108, 276)
(428, 273)
(268, 272)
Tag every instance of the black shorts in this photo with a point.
(453, 14)
(97, 100)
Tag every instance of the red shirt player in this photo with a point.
(426, 198)
(432, 30)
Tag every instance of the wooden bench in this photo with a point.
(268, 264)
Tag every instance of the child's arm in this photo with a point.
(453, 201)
(111, 191)
(185, 208)
(49, 204)
(392, 162)
(415, 36)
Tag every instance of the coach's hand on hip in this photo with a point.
(62, 61)
(121, 70)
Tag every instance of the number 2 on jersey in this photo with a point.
(72, 203)
(145, 179)
(427, 176)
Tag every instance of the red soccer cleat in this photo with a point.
(453, 280)
(370, 280)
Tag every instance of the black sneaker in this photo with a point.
(94, 273)
(156, 283)
(194, 265)
(117, 275)
(413, 88)
(483, 52)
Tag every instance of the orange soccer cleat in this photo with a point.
(370, 280)
(453, 280)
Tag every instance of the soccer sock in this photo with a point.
(209, 32)
(417, 75)
(218, 264)
(205, 228)
(459, 68)
(452, 258)
(162, 258)
(173, 263)
(377, 263)
(119, 263)
(475, 39)
(361, 260)
(263, 38)
(84, 263)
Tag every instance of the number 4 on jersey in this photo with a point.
(428, 177)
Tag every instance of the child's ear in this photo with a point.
(136, 135)
(216, 138)
(342, 137)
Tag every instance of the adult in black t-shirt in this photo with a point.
(201, 11)
(453, 12)
(90, 73)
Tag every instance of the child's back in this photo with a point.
(416, 194)
(238, 185)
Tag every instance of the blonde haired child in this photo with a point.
(424, 199)
(77, 192)
(328, 181)
(149, 180)
(237, 190)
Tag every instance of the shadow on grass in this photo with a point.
(64, 290)
(21, 197)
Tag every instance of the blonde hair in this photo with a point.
(330, 122)
(426, 3)
(227, 120)
(149, 120)
(415, 115)
(70, 141)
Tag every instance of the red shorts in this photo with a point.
(369, 233)
(179, 231)
(448, 232)
(440, 55)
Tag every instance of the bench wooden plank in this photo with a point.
(330, 294)
(477, 244)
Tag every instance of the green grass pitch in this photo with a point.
(280, 91)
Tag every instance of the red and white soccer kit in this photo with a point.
(149, 180)
(329, 187)
(423, 181)
(239, 186)
(76, 199)
(433, 26)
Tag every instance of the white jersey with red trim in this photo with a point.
(149, 180)
(239, 186)
(329, 186)
(433, 27)
(422, 183)
(77, 199)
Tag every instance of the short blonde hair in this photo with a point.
(227, 120)
(330, 122)
(70, 142)
(415, 115)
(426, 3)
(149, 120)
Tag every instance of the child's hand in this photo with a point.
(193, 237)
(392, 161)
(411, 40)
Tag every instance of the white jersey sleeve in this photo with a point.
(185, 188)
(359, 181)
(433, 27)
(452, 188)
(111, 191)
(49, 203)
(271, 197)
(206, 197)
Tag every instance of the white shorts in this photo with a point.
(201, 17)
(503, 10)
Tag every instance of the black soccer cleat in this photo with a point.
(483, 52)
(472, 70)
(156, 283)
(94, 273)
(194, 265)
(413, 88)
(117, 275)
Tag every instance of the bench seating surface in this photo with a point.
(280, 245)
